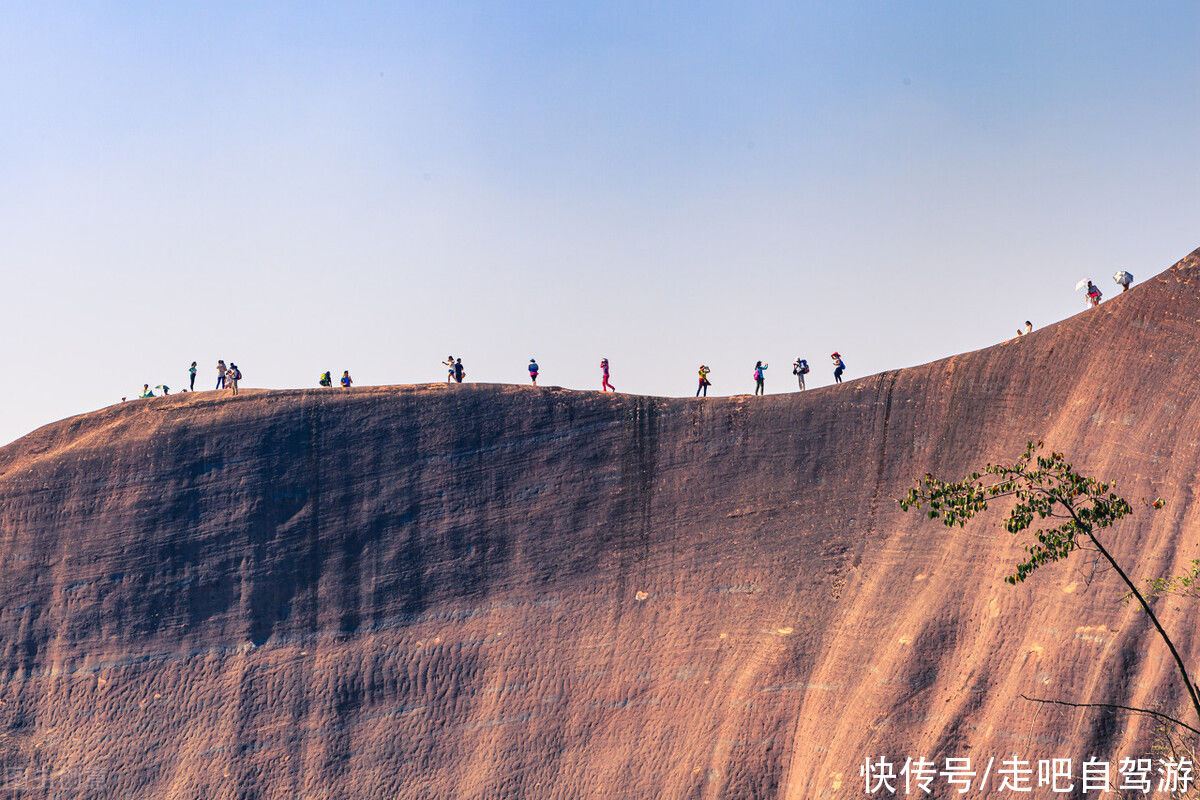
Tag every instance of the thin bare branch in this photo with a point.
(1161, 716)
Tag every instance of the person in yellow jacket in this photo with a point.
(704, 383)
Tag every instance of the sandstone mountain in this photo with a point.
(487, 591)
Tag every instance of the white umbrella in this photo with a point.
(1123, 277)
(1082, 284)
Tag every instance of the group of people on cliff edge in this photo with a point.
(227, 378)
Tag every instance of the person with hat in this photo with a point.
(533, 371)
(839, 366)
(800, 369)
(605, 386)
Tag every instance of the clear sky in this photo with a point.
(373, 185)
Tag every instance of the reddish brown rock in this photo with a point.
(487, 591)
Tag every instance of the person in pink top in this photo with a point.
(605, 386)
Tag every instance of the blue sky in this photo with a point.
(370, 186)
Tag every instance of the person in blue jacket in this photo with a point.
(760, 378)
(839, 367)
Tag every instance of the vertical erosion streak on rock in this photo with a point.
(638, 466)
(888, 379)
(313, 419)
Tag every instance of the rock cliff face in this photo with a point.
(485, 591)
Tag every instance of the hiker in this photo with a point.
(704, 382)
(605, 386)
(760, 378)
(1093, 294)
(220, 374)
(839, 367)
(449, 364)
(166, 390)
(346, 382)
(800, 369)
(533, 371)
(146, 391)
(326, 379)
(192, 377)
(233, 374)
(459, 371)
(1124, 278)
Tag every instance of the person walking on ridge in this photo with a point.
(839, 367)
(1124, 279)
(605, 386)
(346, 382)
(1093, 294)
(449, 364)
(800, 369)
(760, 378)
(221, 373)
(233, 374)
(192, 377)
(704, 382)
(326, 379)
(459, 371)
(533, 371)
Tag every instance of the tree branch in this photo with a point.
(1187, 679)
(1172, 720)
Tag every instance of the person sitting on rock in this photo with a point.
(146, 391)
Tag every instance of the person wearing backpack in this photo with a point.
(459, 371)
(760, 378)
(533, 371)
(704, 382)
(326, 379)
(233, 375)
(839, 367)
(800, 369)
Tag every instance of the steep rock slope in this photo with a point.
(502, 592)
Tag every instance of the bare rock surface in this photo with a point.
(486, 591)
